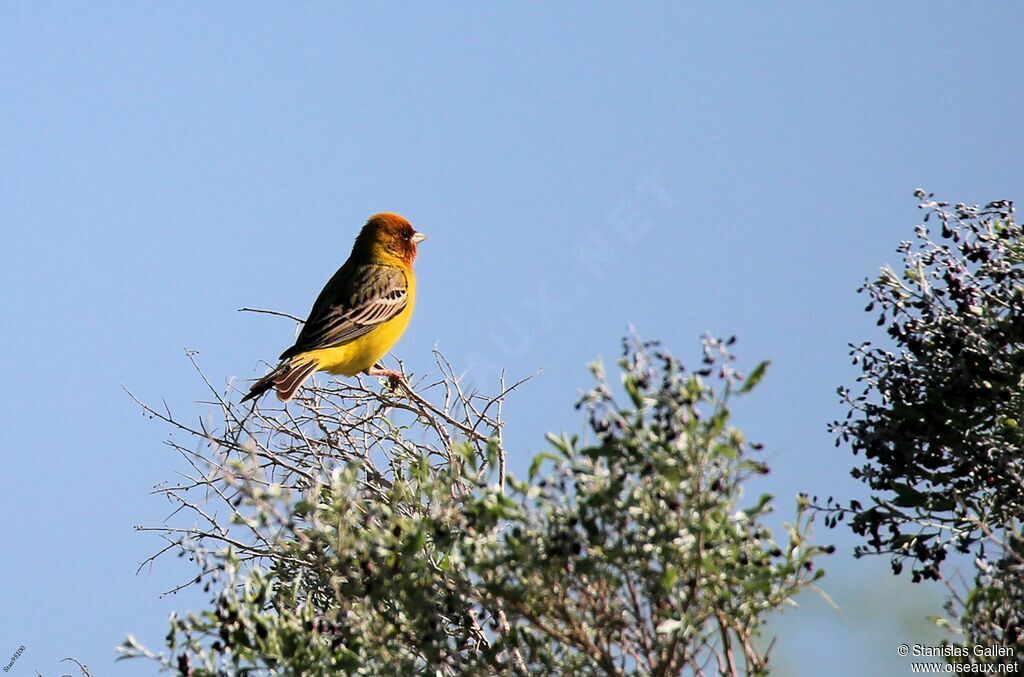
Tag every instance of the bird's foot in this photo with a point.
(395, 378)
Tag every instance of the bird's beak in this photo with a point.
(418, 237)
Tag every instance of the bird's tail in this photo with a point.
(285, 379)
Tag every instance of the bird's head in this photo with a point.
(389, 236)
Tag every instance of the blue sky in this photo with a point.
(731, 167)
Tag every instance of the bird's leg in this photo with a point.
(394, 377)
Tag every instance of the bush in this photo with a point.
(937, 417)
(378, 533)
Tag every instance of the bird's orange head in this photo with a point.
(389, 236)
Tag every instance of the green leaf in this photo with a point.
(538, 460)
(669, 577)
(421, 469)
(493, 452)
(755, 377)
(907, 496)
(725, 450)
(468, 454)
(759, 507)
(562, 443)
(633, 391)
(415, 542)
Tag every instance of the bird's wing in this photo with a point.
(357, 299)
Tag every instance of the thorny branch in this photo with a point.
(331, 425)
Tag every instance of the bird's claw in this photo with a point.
(395, 378)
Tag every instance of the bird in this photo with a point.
(360, 314)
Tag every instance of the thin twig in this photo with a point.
(272, 312)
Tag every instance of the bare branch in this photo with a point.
(278, 313)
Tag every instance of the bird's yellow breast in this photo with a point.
(362, 353)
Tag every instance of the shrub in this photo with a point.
(378, 533)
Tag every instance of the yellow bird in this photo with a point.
(360, 314)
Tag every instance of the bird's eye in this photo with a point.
(408, 235)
